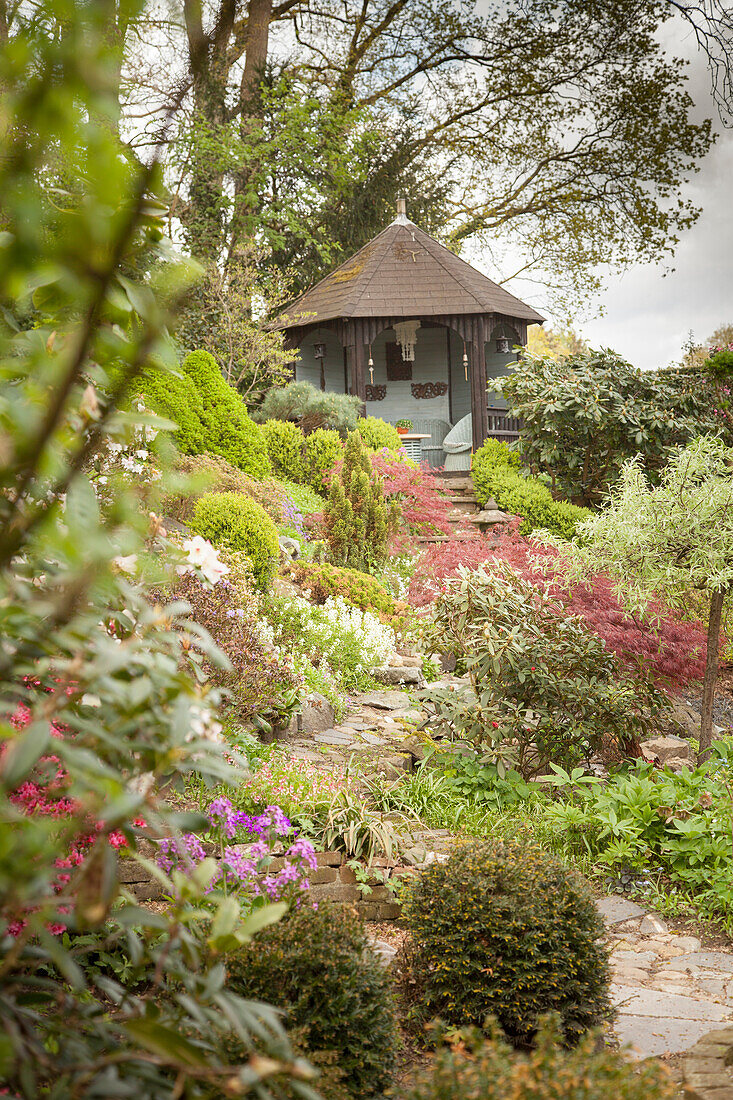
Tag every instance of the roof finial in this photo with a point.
(401, 218)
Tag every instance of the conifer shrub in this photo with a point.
(495, 473)
(310, 408)
(316, 964)
(285, 446)
(506, 930)
(378, 434)
(359, 589)
(323, 449)
(238, 523)
(491, 1070)
(358, 521)
(228, 430)
(175, 397)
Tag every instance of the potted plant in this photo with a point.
(404, 426)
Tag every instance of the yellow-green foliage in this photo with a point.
(211, 473)
(316, 965)
(378, 434)
(496, 474)
(238, 523)
(491, 1070)
(228, 430)
(359, 589)
(175, 397)
(323, 448)
(506, 930)
(285, 444)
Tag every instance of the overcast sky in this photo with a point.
(647, 314)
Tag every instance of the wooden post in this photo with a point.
(479, 405)
(359, 374)
(711, 673)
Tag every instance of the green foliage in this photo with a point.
(323, 449)
(490, 1070)
(310, 408)
(318, 967)
(101, 701)
(495, 474)
(584, 415)
(542, 686)
(357, 519)
(378, 433)
(285, 445)
(229, 432)
(323, 580)
(174, 396)
(238, 523)
(196, 474)
(305, 499)
(505, 930)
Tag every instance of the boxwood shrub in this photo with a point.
(236, 522)
(503, 929)
(378, 434)
(228, 430)
(323, 448)
(285, 444)
(316, 965)
(496, 474)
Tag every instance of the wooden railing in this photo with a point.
(503, 426)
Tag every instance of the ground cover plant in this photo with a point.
(322, 580)
(504, 930)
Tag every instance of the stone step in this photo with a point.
(456, 484)
(464, 504)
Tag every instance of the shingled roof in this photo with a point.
(403, 272)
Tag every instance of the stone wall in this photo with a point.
(332, 880)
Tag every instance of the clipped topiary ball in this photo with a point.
(506, 930)
(316, 965)
(239, 523)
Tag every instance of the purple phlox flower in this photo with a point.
(241, 863)
(221, 812)
(274, 818)
(303, 850)
(236, 613)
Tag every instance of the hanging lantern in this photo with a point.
(371, 366)
(465, 362)
(319, 350)
(502, 345)
(406, 337)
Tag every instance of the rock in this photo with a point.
(447, 662)
(395, 767)
(333, 737)
(399, 660)
(317, 714)
(412, 715)
(417, 748)
(384, 951)
(717, 961)
(663, 749)
(289, 548)
(685, 716)
(384, 700)
(616, 910)
(652, 925)
(398, 675)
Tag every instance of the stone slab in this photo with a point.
(650, 1037)
(371, 738)
(615, 909)
(654, 1004)
(333, 737)
(383, 700)
(706, 960)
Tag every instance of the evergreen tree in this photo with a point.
(358, 519)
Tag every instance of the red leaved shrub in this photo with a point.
(424, 504)
(673, 651)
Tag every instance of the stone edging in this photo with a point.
(707, 1067)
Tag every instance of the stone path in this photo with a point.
(667, 991)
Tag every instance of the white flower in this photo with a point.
(203, 556)
(126, 562)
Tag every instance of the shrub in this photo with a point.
(542, 686)
(669, 648)
(585, 415)
(175, 397)
(285, 446)
(211, 473)
(323, 449)
(378, 434)
(310, 408)
(492, 1071)
(424, 507)
(305, 499)
(361, 590)
(506, 930)
(358, 522)
(229, 432)
(316, 964)
(523, 496)
(234, 521)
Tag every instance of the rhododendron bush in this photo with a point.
(672, 649)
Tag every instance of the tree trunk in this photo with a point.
(711, 673)
(250, 102)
